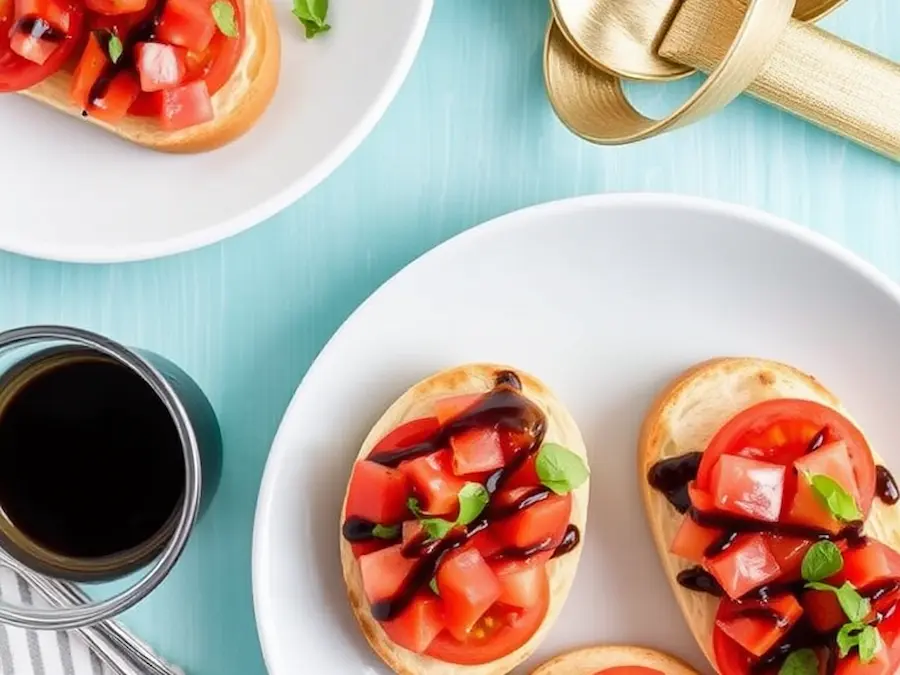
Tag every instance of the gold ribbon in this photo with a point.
(755, 47)
(597, 109)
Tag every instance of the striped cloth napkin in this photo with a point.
(29, 652)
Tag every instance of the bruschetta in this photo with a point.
(615, 660)
(463, 521)
(171, 75)
(775, 522)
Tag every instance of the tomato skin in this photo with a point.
(692, 540)
(452, 406)
(779, 431)
(55, 12)
(186, 106)
(17, 73)
(377, 493)
(543, 521)
(406, 435)
(757, 635)
(511, 628)
(468, 588)
(746, 565)
(823, 610)
(477, 450)
(417, 625)
(113, 105)
(520, 582)
(187, 23)
(869, 564)
(383, 572)
(93, 61)
(879, 665)
(159, 66)
(434, 482)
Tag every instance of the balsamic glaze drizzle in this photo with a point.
(505, 408)
(886, 486)
(38, 28)
(671, 477)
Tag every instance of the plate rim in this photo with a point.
(752, 216)
(293, 192)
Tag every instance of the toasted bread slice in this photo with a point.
(685, 417)
(237, 106)
(418, 402)
(591, 660)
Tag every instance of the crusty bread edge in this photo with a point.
(591, 660)
(417, 402)
(764, 379)
(237, 106)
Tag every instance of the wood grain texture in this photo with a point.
(470, 136)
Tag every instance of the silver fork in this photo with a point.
(113, 644)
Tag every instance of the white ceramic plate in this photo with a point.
(73, 192)
(606, 299)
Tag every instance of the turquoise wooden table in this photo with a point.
(470, 136)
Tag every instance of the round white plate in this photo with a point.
(76, 193)
(606, 299)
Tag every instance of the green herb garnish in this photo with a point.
(473, 498)
(855, 606)
(312, 14)
(800, 662)
(386, 531)
(834, 497)
(115, 48)
(223, 13)
(821, 561)
(560, 469)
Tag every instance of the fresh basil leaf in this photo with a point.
(223, 13)
(821, 561)
(433, 586)
(386, 532)
(835, 498)
(413, 505)
(848, 637)
(115, 48)
(312, 14)
(560, 469)
(473, 498)
(869, 644)
(855, 606)
(437, 528)
(800, 662)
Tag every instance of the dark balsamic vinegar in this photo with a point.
(90, 460)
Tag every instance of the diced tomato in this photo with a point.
(525, 476)
(115, 7)
(520, 583)
(417, 625)
(701, 499)
(879, 665)
(361, 548)
(788, 553)
(55, 12)
(545, 521)
(448, 408)
(187, 23)
(434, 482)
(406, 435)
(486, 543)
(782, 431)
(159, 66)
(476, 450)
(867, 565)
(823, 610)
(692, 540)
(748, 487)
(112, 105)
(186, 106)
(500, 631)
(378, 494)
(35, 49)
(93, 61)
(383, 572)
(412, 529)
(468, 588)
(758, 633)
(730, 657)
(806, 508)
(746, 565)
